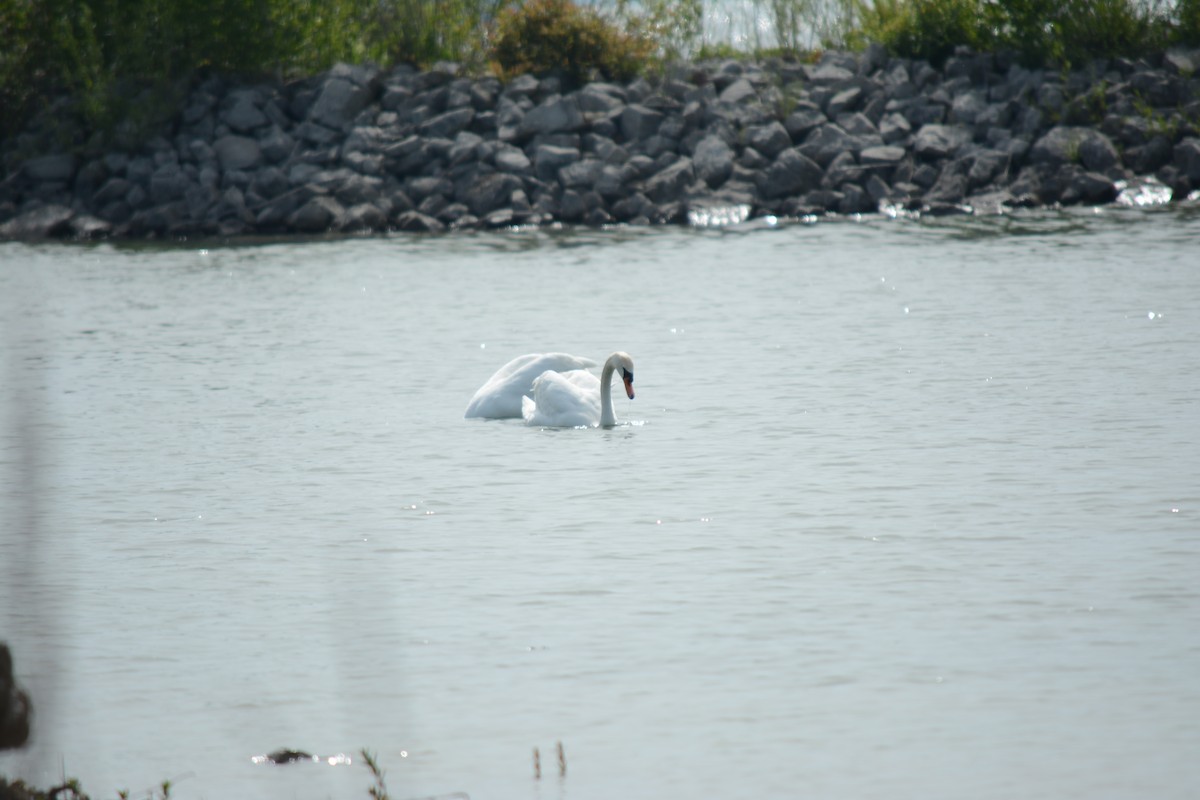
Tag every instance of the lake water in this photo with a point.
(902, 510)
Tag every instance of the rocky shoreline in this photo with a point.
(360, 149)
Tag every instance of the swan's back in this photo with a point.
(563, 400)
(500, 397)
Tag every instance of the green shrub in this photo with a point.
(925, 29)
(1186, 29)
(560, 37)
(1074, 32)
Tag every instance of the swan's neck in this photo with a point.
(607, 418)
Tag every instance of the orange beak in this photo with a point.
(629, 385)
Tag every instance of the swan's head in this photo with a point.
(623, 364)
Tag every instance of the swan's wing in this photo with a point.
(564, 400)
(500, 397)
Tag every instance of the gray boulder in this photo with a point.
(39, 223)
(803, 119)
(581, 175)
(340, 99)
(557, 115)
(738, 92)
(934, 142)
(168, 183)
(416, 222)
(1187, 159)
(792, 173)
(1097, 152)
(512, 159)
(1060, 145)
(770, 139)
(668, 184)
(242, 112)
(639, 122)
(447, 125)
(50, 168)
(713, 160)
(548, 159)
(489, 192)
(237, 152)
(364, 217)
(319, 214)
(113, 189)
(1089, 188)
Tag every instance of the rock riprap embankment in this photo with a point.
(359, 149)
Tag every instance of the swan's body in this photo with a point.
(554, 397)
(500, 397)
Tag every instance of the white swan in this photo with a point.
(552, 390)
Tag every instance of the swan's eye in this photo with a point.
(628, 373)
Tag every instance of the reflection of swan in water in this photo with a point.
(553, 390)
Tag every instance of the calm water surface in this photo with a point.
(901, 510)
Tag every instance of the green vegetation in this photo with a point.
(1065, 34)
(558, 36)
(128, 61)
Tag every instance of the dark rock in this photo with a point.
(883, 156)
(828, 141)
(50, 168)
(803, 119)
(237, 152)
(448, 124)
(512, 159)
(894, 128)
(549, 159)
(791, 173)
(1097, 153)
(16, 710)
(846, 100)
(339, 101)
(738, 92)
(1187, 159)
(770, 139)
(934, 142)
(988, 166)
(580, 175)
(968, 107)
(113, 189)
(1059, 146)
(713, 160)
(421, 188)
(855, 200)
(316, 134)
(572, 207)
(557, 115)
(669, 183)
(168, 183)
(242, 112)
(1147, 158)
(364, 217)
(951, 187)
(639, 122)
(1089, 188)
(39, 223)
(319, 214)
(85, 226)
(352, 189)
(489, 193)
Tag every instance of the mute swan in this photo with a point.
(553, 390)
(576, 399)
